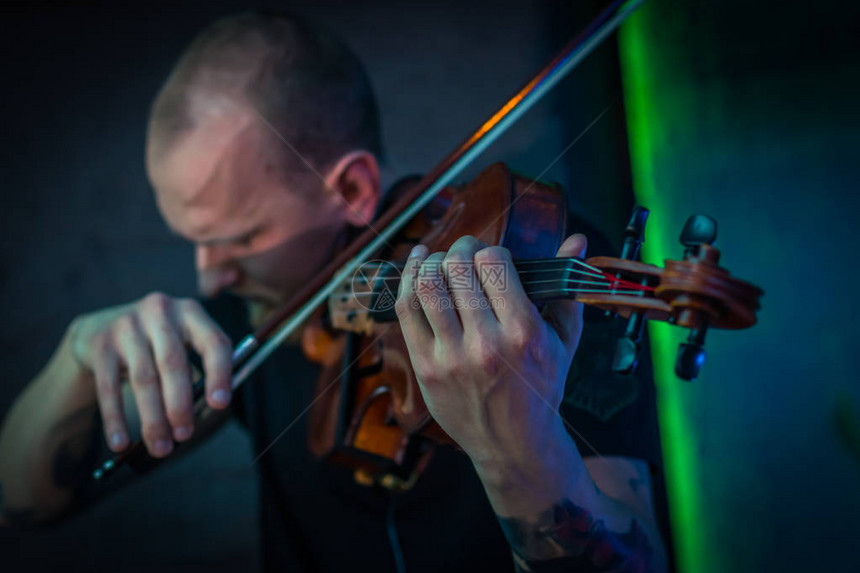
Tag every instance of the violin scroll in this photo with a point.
(693, 293)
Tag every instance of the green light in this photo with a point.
(644, 101)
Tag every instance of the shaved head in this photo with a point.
(303, 84)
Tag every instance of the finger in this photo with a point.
(433, 295)
(146, 386)
(565, 316)
(109, 396)
(500, 282)
(214, 347)
(163, 332)
(416, 330)
(465, 290)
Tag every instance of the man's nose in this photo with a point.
(215, 270)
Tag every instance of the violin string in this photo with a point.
(608, 290)
(566, 261)
(521, 272)
(609, 280)
(608, 284)
(566, 290)
(603, 275)
(526, 284)
(563, 262)
(611, 284)
(584, 290)
(524, 275)
(554, 269)
(566, 280)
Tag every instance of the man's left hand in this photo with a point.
(490, 365)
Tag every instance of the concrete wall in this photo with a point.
(748, 112)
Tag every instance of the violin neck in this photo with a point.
(544, 281)
(548, 280)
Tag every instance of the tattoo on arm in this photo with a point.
(567, 537)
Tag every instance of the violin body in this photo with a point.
(369, 412)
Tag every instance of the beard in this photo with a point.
(259, 306)
(259, 311)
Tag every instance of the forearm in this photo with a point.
(557, 519)
(45, 440)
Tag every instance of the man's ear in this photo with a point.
(355, 178)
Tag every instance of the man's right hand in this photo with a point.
(145, 343)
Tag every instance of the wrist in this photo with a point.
(532, 478)
(508, 467)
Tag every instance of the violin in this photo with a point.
(370, 415)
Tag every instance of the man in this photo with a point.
(263, 150)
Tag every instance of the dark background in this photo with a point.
(752, 112)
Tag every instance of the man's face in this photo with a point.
(256, 233)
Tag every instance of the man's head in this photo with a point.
(261, 148)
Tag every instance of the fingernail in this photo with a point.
(182, 433)
(118, 439)
(220, 397)
(416, 251)
(162, 447)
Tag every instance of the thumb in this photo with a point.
(573, 246)
(565, 316)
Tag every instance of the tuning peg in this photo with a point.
(634, 233)
(627, 346)
(626, 355)
(699, 229)
(691, 355)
